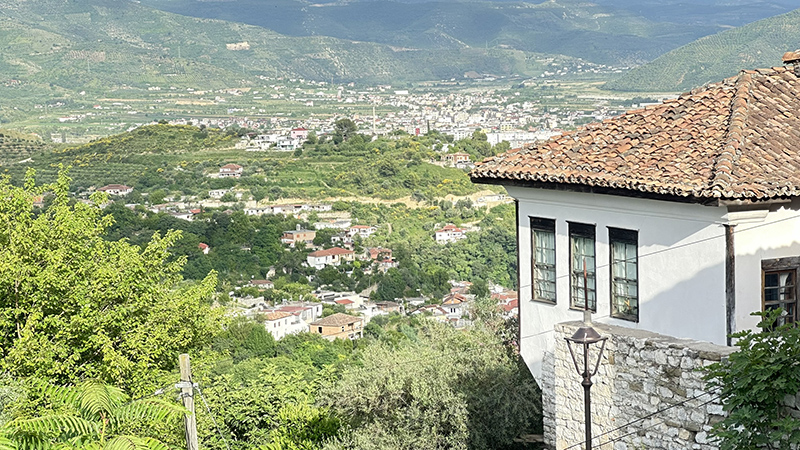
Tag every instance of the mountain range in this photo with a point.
(66, 48)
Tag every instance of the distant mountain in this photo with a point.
(56, 48)
(602, 32)
(712, 58)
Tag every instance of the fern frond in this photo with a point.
(30, 442)
(134, 443)
(151, 409)
(52, 425)
(6, 443)
(95, 397)
(66, 395)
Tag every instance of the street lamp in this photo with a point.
(586, 336)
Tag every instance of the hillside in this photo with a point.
(183, 160)
(16, 146)
(56, 49)
(759, 44)
(601, 34)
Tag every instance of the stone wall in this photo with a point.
(641, 374)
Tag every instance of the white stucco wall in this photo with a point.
(681, 265)
(758, 238)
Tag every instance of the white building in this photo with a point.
(449, 233)
(116, 189)
(281, 323)
(686, 215)
(230, 171)
(364, 231)
(331, 256)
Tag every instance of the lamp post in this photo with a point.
(586, 336)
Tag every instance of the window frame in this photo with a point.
(778, 265)
(628, 237)
(583, 230)
(544, 225)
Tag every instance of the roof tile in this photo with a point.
(734, 139)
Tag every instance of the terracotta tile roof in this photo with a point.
(337, 320)
(277, 315)
(736, 139)
(330, 252)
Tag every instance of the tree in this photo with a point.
(91, 415)
(448, 389)
(753, 384)
(75, 306)
(344, 129)
(244, 338)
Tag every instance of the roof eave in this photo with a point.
(588, 189)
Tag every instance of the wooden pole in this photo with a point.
(187, 395)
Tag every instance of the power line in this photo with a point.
(653, 425)
(676, 247)
(213, 418)
(641, 419)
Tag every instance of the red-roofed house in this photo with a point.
(231, 170)
(686, 214)
(204, 248)
(364, 231)
(282, 323)
(299, 133)
(455, 158)
(332, 256)
(261, 284)
(449, 233)
(116, 189)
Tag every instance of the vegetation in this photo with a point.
(754, 383)
(90, 415)
(82, 308)
(75, 306)
(713, 58)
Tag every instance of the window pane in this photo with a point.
(582, 266)
(780, 291)
(624, 273)
(543, 240)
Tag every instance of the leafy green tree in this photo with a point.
(228, 197)
(244, 338)
(449, 389)
(75, 306)
(157, 197)
(754, 382)
(91, 416)
(344, 129)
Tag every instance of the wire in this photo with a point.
(653, 425)
(676, 247)
(641, 419)
(213, 418)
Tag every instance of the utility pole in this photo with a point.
(187, 395)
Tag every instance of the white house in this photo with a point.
(331, 256)
(449, 233)
(116, 189)
(686, 214)
(281, 323)
(230, 171)
(299, 133)
(364, 231)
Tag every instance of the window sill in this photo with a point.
(544, 301)
(629, 318)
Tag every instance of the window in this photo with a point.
(623, 246)
(543, 259)
(581, 249)
(780, 291)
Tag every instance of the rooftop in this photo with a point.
(735, 139)
(330, 252)
(337, 320)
